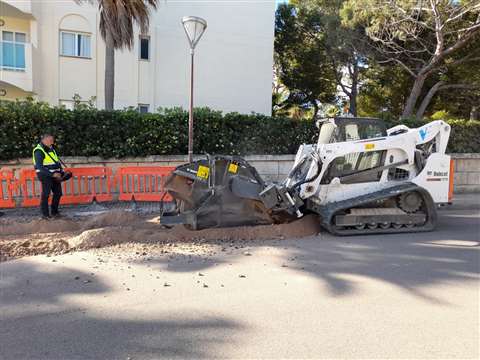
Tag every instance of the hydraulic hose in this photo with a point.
(310, 179)
(293, 172)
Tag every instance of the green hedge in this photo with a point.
(89, 132)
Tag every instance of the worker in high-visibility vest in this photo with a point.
(50, 173)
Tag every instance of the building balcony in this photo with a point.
(16, 64)
(24, 6)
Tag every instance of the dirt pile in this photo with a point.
(108, 236)
(151, 233)
(34, 244)
(307, 226)
(112, 218)
(119, 227)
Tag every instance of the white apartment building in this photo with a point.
(52, 50)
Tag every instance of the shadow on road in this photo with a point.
(38, 322)
(409, 261)
(27, 284)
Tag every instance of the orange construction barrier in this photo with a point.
(450, 181)
(7, 184)
(85, 185)
(143, 183)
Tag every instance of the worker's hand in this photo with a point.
(57, 176)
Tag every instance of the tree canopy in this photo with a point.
(301, 59)
(402, 57)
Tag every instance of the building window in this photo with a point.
(144, 48)
(143, 108)
(75, 44)
(12, 50)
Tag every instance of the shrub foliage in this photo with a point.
(86, 131)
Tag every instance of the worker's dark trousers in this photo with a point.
(49, 186)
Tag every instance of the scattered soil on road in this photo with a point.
(26, 237)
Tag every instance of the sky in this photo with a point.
(280, 1)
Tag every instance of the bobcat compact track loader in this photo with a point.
(359, 178)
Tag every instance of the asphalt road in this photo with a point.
(395, 296)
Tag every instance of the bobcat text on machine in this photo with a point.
(359, 178)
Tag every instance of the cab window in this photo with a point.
(356, 164)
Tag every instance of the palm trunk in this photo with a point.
(109, 72)
(427, 99)
(414, 94)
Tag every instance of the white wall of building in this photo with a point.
(233, 59)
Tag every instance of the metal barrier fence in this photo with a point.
(86, 185)
(7, 186)
(142, 183)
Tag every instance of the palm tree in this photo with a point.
(117, 20)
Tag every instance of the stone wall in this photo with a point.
(271, 167)
(467, 173)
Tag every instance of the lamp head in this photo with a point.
(194, 28)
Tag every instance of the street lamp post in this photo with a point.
(194, 28)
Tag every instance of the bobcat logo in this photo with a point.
(423, 133)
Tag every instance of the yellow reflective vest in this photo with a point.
(50, 159)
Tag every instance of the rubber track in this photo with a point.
(329, 211)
